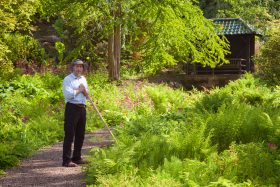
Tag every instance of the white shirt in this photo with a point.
(71, 84)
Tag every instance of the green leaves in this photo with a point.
(175, 31)
(30, 116)
(6, 66)
(229, 136)
(162, 33)
(59, 46)
(269, 60)
(23, 48)
(17, 15)
(256, 12)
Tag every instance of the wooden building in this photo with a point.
(241, 37)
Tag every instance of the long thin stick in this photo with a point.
(106, 125)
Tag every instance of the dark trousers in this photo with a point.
(74, 130)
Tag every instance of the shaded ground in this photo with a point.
(179, 79)
(44, 168)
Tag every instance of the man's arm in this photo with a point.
(84, 85)
(68, 91)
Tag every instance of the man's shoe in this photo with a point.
(69, 164)
(80, 162)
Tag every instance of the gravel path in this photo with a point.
(44, 168)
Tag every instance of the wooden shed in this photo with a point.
(241, 37)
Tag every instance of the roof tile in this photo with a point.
(234, 26)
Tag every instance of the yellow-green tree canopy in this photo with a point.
(162, 32)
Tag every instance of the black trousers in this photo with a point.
(74, 130)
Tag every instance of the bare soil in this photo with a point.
(44, 167)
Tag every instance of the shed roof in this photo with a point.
(234, 26)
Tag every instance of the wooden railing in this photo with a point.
(236, 66)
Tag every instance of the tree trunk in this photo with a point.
(117, 41)
(114, 46)
(111, 60)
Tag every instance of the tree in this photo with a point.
(256, 12)
(170, 31)
(174, 31)
(114, 42)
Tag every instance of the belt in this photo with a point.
(79, 105)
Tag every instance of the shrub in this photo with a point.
(17, 15)
(6, 65)
(24, 47)
(240, 123)
(269, 60)
(255, 162)
(30, 119)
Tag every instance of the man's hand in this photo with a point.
(83, 90)
(80, 90)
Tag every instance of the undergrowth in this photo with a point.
(30, 116)
(166, 137)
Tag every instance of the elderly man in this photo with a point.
(75, 90)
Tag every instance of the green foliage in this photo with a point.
(257, 12)
(17, 48)
(59, 46)
(6, 66)
(30, 116)
(176, 31)
(81, 26)
(228, 137)
(269, 60)
(166, 99)
(17, 15)
(23, 47)
(248, 90)
(15, 27)
(162, 33)
(241, 124)
(241, 112)
(255, 162)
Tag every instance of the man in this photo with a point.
(75, 90)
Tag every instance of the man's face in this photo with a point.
(78, 69)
